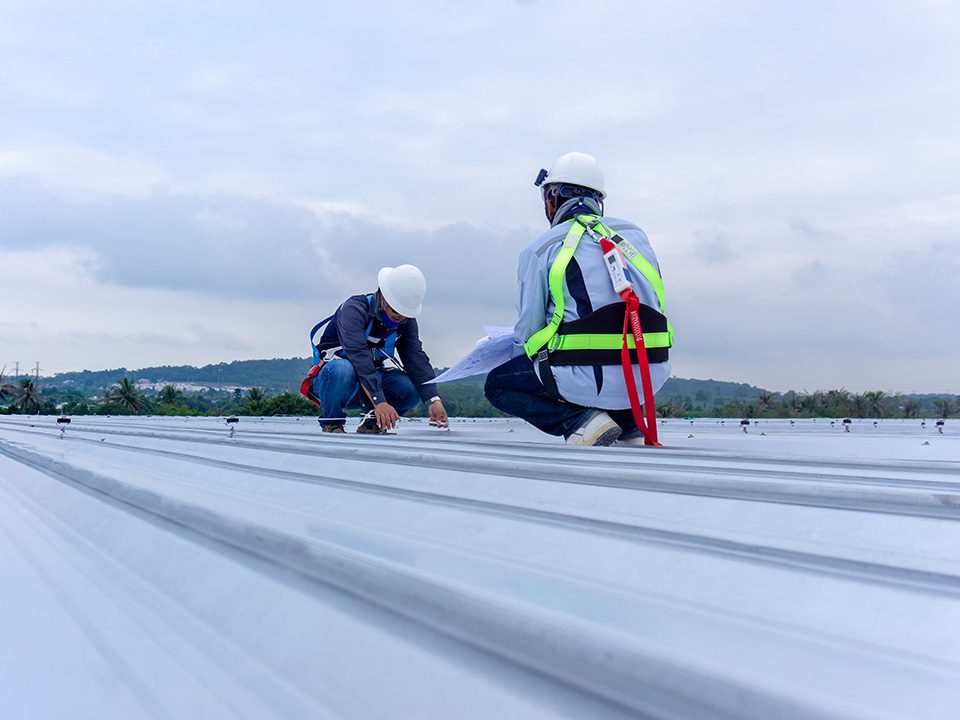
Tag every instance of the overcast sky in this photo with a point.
(186, 182)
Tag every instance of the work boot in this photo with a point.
(368, 426)
(633, 438)
(333, 428)
(598, 430)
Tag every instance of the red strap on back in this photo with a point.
(306, 386)
(631, 323)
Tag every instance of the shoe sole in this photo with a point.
(604, 437)
(608, 437)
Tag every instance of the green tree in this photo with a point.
(288, 403)
(837, 403)
(876, 404)
(255, 401)
(859, 405)
(76, 408)
(125, 394)
(27, 396)
(911, 408)
(943, 407)
(7, 389)
(169, 395)
(764, 401)
(676, 408)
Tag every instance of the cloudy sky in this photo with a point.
(186, 182)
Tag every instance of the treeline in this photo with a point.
(821, 403)
(680, 397)
(463, 398)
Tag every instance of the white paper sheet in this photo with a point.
(489, 352)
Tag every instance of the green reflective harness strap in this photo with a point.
(645, 268)
(608, 341)
(557, 271)
(547, 336)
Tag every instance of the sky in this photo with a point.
(193, 183)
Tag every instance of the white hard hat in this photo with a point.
(403, 287)
(574, 168)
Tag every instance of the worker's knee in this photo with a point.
(339, 370)
(338, 377)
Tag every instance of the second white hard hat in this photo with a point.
(575, 168)
(403, 287)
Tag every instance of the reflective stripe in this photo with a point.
(608, 341)
(644, 267)
(557, 271)
(547, 335)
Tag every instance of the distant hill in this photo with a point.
(702, 391)
(679, 396)
(284, 374)
(276, 375)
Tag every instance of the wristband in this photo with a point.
(433, 399)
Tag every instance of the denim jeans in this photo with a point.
(336, 387)
(515, 389)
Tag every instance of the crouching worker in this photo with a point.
(350, 357)
(590, 295)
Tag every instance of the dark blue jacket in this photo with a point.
(361, 335)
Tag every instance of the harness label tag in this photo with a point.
(611, 260)
(626, 247)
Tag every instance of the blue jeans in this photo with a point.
(336, 387)
(515, 389)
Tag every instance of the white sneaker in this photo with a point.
(598, 429)
(634, 439)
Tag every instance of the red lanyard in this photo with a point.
(631, 322)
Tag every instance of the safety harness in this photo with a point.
(595, 338)
(381, 349)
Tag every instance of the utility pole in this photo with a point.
(16, 370)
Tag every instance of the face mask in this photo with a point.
(385, 319)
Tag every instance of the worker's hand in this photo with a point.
(387, 417)
(438, 414)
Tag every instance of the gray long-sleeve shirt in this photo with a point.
(581, 384)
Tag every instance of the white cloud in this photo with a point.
(794, 166)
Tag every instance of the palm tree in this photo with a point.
(838, 402)
(28, 396)
(255, 398)
(792, 403)
(764, 400)
(125, 394)
(858, 404)
(6, 389)
(169, 395)
(911, 408)
(678, 408)
(810, 403)
(875, 402)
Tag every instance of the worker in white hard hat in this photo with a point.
(371, 356)
(568, 376)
